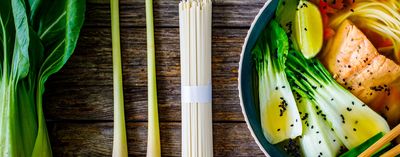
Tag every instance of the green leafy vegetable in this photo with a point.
(364, 146)
(280, 118)
(353, 121)
(285, 15)
(37, 38)
(318, 138)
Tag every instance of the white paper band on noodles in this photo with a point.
(196, 94)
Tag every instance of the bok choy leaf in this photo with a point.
(37, 37)
(352, 120)
(280, 118)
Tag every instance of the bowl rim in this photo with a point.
(268, 2)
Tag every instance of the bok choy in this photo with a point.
(37, 37)
(280, 118)
(352, 121)
(318, 138)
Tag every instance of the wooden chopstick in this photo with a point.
(381, 142)
(393, 152)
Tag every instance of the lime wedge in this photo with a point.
(308, 29)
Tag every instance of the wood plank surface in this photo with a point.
(89, 73)
(226, 13)
(78, 100)
(95, 139)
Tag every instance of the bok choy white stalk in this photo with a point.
(318, 138)
(280, 118)
(352, 120)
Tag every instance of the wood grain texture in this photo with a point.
(85, 83)
(226, 13)
(95, 139)
(78, 99)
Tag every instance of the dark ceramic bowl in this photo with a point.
(248, 81)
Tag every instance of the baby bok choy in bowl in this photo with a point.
(321, 78)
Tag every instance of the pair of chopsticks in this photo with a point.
(381, 142)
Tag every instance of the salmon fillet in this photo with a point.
(356, 64)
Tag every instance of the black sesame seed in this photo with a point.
(345, 137)
(319, 142)
(276, 88)
(354, 129)
(351, 10)
(305, 29)
(291, 125)
(342, 118)
(349, 109)
(278, 130)
(283, 86)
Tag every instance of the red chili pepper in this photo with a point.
(328, 33)
(351, 2)
(338, 4)
(325, 8)
(325, 20)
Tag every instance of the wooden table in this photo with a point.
(79, 102)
